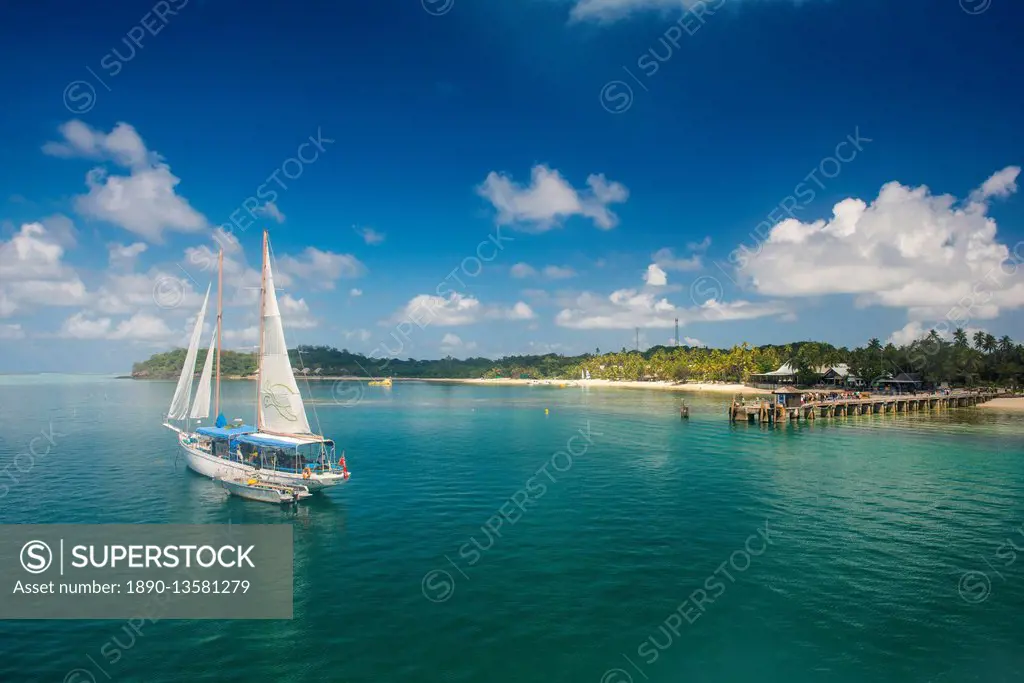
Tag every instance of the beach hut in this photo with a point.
(902, 383)
(788, 396)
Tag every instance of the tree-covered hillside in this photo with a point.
(980, 359)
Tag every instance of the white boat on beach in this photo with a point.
(281, 449)
(264, 492)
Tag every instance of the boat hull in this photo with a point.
(263, 494)
(218, 468)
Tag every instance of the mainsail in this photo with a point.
(201, 406)
(183, 393)
(281, 409)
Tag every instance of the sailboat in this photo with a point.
(280, 448)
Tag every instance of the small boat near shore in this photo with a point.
(386, 382)
(265, 492)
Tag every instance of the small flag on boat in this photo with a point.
(221, 421)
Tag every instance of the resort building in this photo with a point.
(839, 375)
(902, 383)
(785, 374)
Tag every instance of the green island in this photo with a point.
(964, 361)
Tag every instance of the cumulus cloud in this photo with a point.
(910, 249)
(11, 331)
(629, 308)
(551, 272)
(122, 257)
(359, 334)
(549, 199)
(139, 327)
(145, 201)
(320, 268)
(522, 270)
(270, 209)
(295, 313)
(354, 292)
(559, 272)
(33, 272)
(369, 235)
(457, 309)
(122, 145)
(655, 276)
(667, 260)
(452, 343)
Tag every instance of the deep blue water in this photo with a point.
(845, 543)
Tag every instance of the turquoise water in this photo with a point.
(845, 544)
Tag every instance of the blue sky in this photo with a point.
(622, 152)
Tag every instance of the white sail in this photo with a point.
(183, 393)
(201, 406)
(281, 407)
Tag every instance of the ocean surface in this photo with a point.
(545, 534)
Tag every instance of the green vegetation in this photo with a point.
(983, 359)
(168, 365)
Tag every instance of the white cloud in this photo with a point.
(359, 334)
(244, 337)
(79, 327)
(693, 341)
(11, 331)
(123, 257)
(908, 249)
(457, 309)
(655, 276)
(295, 313)
(270, 209)
(369, 235)
(144, 202)
(452, 343)
(32, 271)
(139, 327)
(122, 145)
(667, 260)
(522, 270)
(559, 272)
(61, 229)
(321, 268)
(552, 272)
(629, 308)
(354, 292)
(549, 199)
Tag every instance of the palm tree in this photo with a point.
(990, 343)
(1005, 344)
(960, 338)
(979, 340)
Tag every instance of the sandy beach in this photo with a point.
(1010, 405)
(711, 387)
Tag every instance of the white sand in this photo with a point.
(1014, 405)
(718, 388)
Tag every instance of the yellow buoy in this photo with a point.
(545, 411)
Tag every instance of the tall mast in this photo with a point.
(220, 315)
(259, 358)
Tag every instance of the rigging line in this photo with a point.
(298, 351)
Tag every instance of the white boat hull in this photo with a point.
(218, 468)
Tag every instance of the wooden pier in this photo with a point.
(766, 412)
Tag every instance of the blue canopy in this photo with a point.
(267, 440)
(224, 433)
